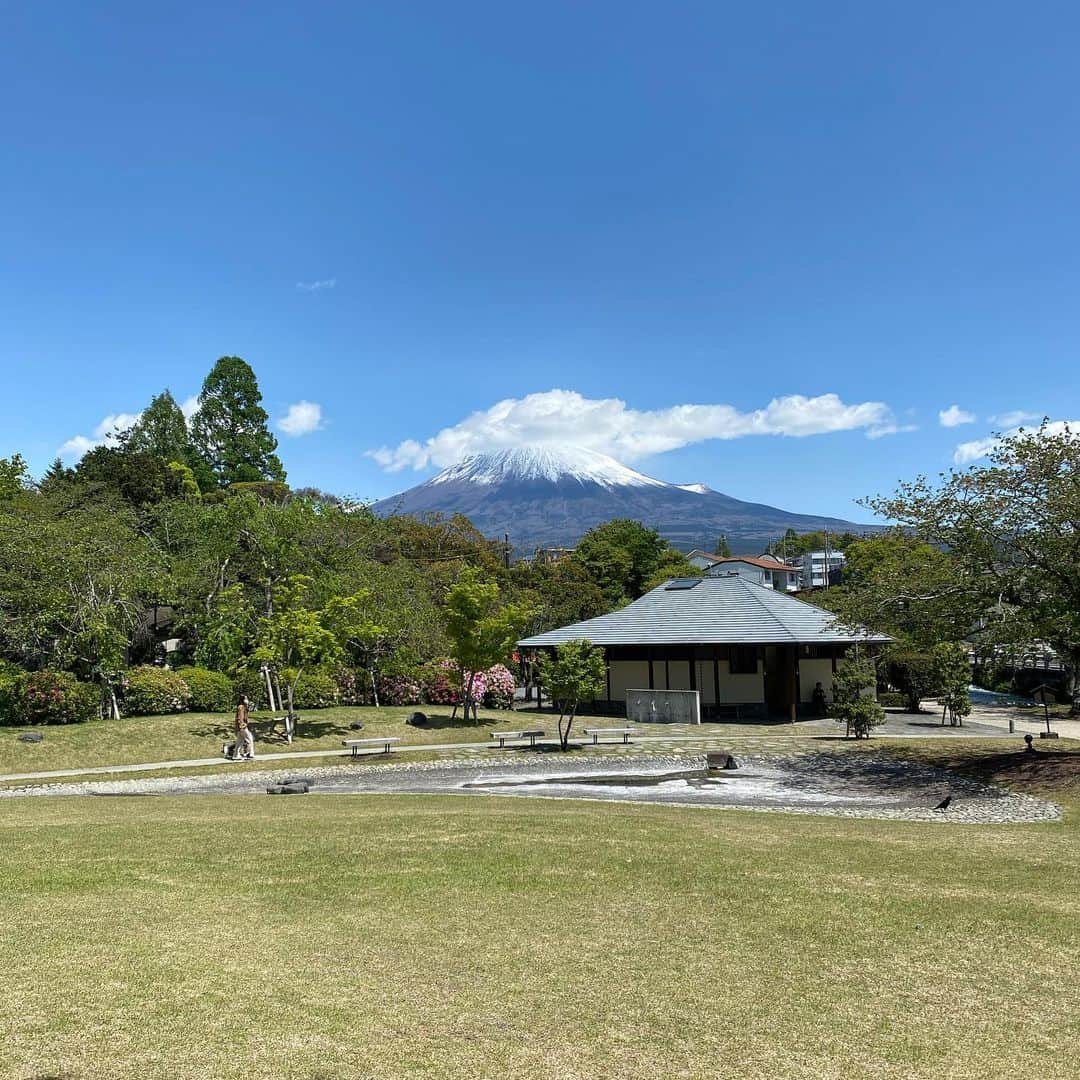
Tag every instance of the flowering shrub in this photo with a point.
(352, 685)
(499, 687)
(53, 697)
(441, 683)
(444, 684)
(210, 690)
(399, 690)
(316, 690)
(153, 691)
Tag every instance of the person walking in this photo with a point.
(244, 748)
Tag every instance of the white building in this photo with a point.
(760, 569)
(815, 568)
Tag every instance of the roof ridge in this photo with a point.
(765, 607)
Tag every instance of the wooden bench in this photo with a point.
(595, 732)
(384, 741)
(532, 736)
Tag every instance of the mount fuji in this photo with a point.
(548, 497)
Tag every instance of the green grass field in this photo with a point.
(344, 936)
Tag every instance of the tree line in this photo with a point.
(188, 534)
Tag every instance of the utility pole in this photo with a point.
(828, 560)
(506, 550)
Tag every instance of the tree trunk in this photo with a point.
(468, 696)
(564, 735)
(290, 719)
(374, 688)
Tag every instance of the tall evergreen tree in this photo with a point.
(161, 430)
(230, 429)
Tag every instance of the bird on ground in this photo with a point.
(944, 804)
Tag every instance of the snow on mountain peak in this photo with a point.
(546, 463)
(696, 489)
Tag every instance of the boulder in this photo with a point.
(356, 726)
(287, 789)
(417, 719)
(30, 736)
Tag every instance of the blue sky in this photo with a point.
(405, 214)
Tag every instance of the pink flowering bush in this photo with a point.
(353, 686)
(53, 697)
(441, 682)
(399, 690)
(499, 684)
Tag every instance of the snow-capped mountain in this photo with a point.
(550, 497)
(543, 463)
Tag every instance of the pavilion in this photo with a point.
(746, 648)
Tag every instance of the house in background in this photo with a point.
(747, 649)
(763, 569)
(819, 568)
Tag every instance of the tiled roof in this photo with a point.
(755, 560)
(726, 610)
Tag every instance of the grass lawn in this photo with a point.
(346, 936)
(184, 736)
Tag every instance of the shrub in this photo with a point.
(352, 686)
(892, 700)
(211, 691)
(10, 696)
(399, 690)
(912, 673)
(500, 687)
(54, 697)
(153, 691)
(441, 683)
(316, 690)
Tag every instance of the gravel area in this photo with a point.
(832, 784)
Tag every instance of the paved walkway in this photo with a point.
(984, 722)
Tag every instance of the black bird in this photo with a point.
(944, 804)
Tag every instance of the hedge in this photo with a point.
(153, 691)
(211, 691)
(51, 697)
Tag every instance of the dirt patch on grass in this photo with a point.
(1049, 770)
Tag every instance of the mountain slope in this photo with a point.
(545, 497)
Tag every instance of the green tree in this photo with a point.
(576, 673)
(161, 430)
(482, 630)
(723, 548)
(230, 429)
(1012, 525)
(952, 677)
(622, 557)
(293, 639)
(14, 477)
(854, 703)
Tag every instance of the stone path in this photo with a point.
(807, 780)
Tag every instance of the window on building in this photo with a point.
(743, 660)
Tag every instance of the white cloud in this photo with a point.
(561, 417)
(189, 407)
(967, 452)
(954, 416)
(1014, 418)
(316, 286)
(106, 432)
(302, 418)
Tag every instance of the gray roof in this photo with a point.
(726, 610)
